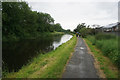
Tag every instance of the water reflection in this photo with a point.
(17, 54)
(64, 39)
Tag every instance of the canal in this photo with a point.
(17, 54)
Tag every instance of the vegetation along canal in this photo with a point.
(17, 54)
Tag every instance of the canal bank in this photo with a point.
(48, 65)
(14, 57)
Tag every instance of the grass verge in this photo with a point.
(50, 65)
(105, 63)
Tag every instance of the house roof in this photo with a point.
(111, 25)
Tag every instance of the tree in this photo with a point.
(83, 30)
(57, 27)
(19, 21)
(80, 26)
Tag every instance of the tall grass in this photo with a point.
(108, 44)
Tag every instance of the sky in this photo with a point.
(70, 13)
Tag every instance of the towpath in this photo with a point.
(81, 64)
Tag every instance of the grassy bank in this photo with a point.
(48, 65)
(105, 49)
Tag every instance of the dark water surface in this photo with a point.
(17, 54)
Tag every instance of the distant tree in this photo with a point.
(84, 30)
(68, 30)
(57, 27)
(79, 26)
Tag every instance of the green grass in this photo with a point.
(108, 44)
(105, 64)
(50, 65)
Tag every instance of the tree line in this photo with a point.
(19, 21)
(84, 30)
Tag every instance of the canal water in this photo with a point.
(17, 54)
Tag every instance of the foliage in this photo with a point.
(57, 27)
(20, 22)
(80, 26)
(84, 30)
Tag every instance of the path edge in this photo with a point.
(69, 59)
(100, 72)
